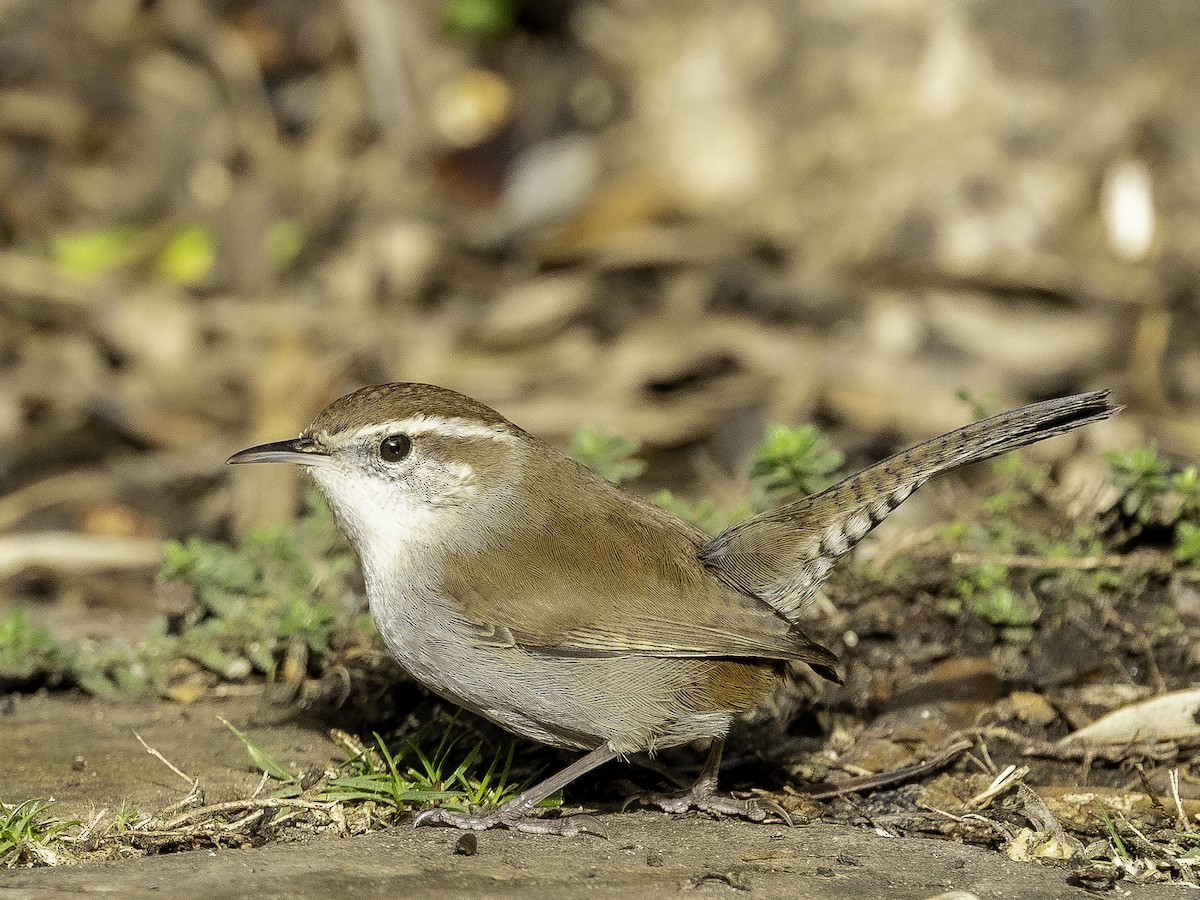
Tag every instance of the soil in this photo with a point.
(84, 753)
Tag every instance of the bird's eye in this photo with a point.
(395, 447)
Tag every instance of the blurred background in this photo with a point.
(676, 221)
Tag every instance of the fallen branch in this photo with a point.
(826, 790)
(66, 551)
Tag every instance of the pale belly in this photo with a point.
(631, 703)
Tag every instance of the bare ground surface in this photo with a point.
(647, 855)
(85, 754)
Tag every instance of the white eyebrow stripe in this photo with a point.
(457, 428)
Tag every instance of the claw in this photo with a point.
(646, 797)
(772, 806)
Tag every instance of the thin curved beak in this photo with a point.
(301, 451)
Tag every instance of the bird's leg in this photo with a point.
(516, 813)
(702, 795)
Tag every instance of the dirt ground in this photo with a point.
(85, 754)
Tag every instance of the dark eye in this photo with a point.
(395, 447)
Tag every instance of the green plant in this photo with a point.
(494, 787)
(29, 652)
(1187, 543)
(266, 763)
(278, 588)
(987, 594)
(182, 252)
(188, 256)
(281, 585)
(1186, 484)
(126, 817)
(1114, 836)
(1150, 492)
(26, 830)
(26, 648)
(378, 775)
(609, 455)
(793, 462)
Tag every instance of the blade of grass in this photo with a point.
(264, 760)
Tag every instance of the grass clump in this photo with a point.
(28, 836)
(31, 656)
(988, 593)
(1187, 546)
(406, 779)
(376, 774)
(1150, 492)
(1155, 500)
(27, 649)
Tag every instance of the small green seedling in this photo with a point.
(25, 830)
(795, 462)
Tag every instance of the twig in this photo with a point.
(239, 824)
(88, 829)
(262, 782)
(1160, 564)
(192, 782)
(65, 551)
(992, 768)
(1180, 816)
(827, 790)
(217, 809)
(1008, 777)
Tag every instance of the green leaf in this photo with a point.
(94, 252)
(1187, 543)
(188, 257)
(264, 760)
(478, 19)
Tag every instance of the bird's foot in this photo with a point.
(704, 797)
(516, 818)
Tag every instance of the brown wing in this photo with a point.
(633, 585)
